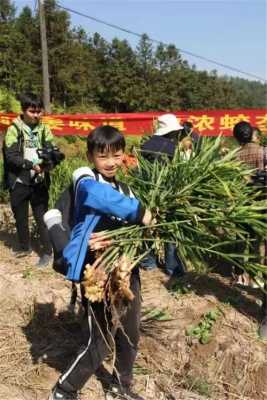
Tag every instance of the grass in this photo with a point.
(27, 274)
(203, 330)
(156, 314)
(180, 288)
(141, 370)
(199, 385)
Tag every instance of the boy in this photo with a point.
(100, 204)
(26, 181)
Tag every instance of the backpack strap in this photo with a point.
(121, 187)
(124, 189)
(96, 177)
(20, 135)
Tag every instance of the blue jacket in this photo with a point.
(92, 201)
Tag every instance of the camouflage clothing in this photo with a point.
(25, 185)
(21, 144)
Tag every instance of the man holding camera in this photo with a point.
(27, 174)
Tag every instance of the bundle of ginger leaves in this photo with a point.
(203, 204)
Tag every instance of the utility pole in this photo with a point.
(46, 85)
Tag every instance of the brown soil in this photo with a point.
(38, 336)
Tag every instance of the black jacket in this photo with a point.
(156, 147)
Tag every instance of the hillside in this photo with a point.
(38, 335)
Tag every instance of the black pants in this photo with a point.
(96, 348)
(37, 196)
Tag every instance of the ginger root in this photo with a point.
(94, 283)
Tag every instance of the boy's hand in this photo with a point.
(98, 241)
(148, 218)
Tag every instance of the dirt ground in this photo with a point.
(39, 335)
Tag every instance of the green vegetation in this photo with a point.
(108, 77)
(61, 177)
(140, 370)
(8, 102)
(180, 288)
(203, 205)
(3, 192)
(156, 314)
(27, 274)
(203, 330)
(199, 385)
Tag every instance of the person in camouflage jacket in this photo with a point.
(25, 177)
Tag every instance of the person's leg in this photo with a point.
(59, 237)
(39, 204)
(126, 340)
(19, 200)
(263, 325)
(149, 262)
(173, 265)
(91, 355)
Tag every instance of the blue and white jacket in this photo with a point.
(93, 200)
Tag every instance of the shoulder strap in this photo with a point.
(96, 175)
(19, 133)
(120, 186)
(43, 136)
(124, 188)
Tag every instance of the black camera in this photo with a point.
(51, 157)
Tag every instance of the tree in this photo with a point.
(7, 11)
(122, 92)
(88, 72)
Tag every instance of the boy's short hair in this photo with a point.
(243, 132)
(105, 137)
(30, 100)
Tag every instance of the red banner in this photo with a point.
(208, 123)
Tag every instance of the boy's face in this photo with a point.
(107, 162)
(32, 116)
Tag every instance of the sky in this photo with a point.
(231, 32)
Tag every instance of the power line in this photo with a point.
(160, 42)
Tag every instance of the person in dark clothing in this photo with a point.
(162, 144)
(100, 203)
(25, 177)
(189, 131)
(254, 156)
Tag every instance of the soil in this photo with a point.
(39, 334)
